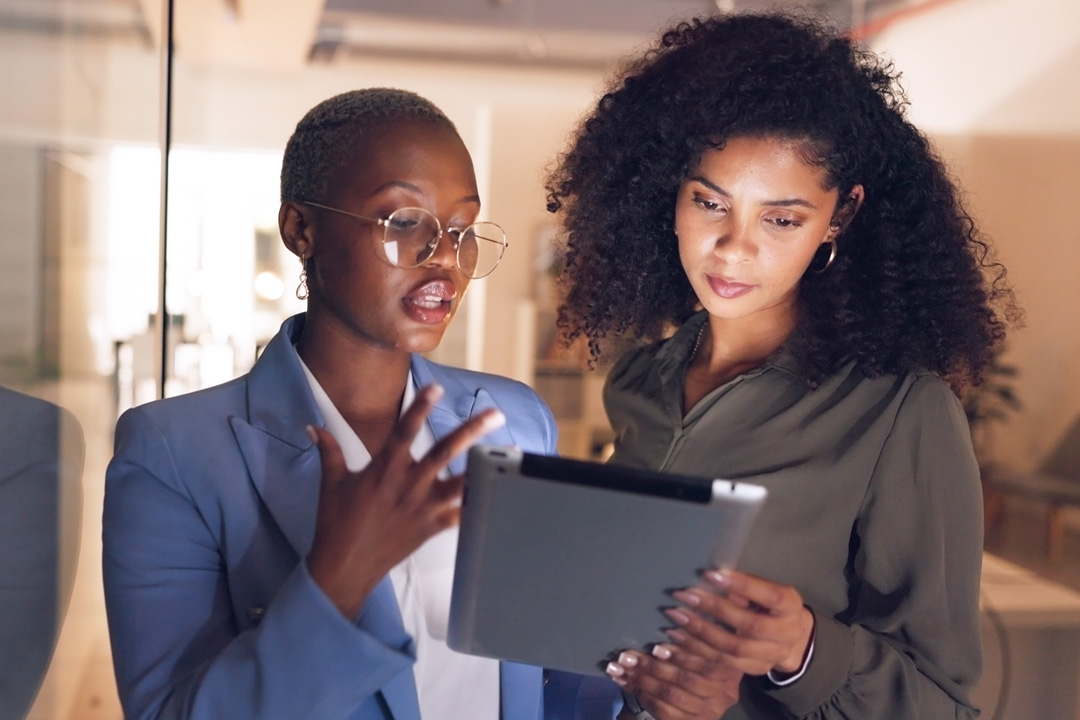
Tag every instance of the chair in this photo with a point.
(1056, 481)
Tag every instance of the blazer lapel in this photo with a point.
(458, 405)
(285, 469)
(282, 461)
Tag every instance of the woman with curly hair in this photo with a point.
(750, 203)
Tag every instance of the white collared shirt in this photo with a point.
(449, 685)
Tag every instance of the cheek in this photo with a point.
(788, 265)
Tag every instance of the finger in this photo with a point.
(330, 456)
(713, 668)
(460, 440)
(397, 450)
(675, 698)
(706, 639)
(446, 501)
(766, 595)
(688, 681)
(664, 706)
(741, 616)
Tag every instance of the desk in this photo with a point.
(1041, 621)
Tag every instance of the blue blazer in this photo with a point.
(210, 506)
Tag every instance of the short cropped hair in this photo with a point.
(331, 133)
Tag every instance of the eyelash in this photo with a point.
(707, 205)
(782, 223)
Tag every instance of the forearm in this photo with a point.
(856, 673)
(304, 660)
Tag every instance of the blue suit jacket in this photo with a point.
(210, 506)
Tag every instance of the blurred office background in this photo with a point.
(108, 298)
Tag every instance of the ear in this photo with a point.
(845, 211)
(296, 228)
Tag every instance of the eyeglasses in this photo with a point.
(411, 235)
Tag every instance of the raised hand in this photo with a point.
(369, 521)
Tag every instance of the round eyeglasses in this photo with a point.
(411, 235)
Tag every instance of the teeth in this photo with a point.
(428, 301)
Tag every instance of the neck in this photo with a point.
(728, 348)
(744, 341)
(365, 382)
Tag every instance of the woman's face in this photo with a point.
(750, 218)
(412, 164)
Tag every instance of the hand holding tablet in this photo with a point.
(563, 563)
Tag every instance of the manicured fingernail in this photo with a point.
(311, 434)
(677, 616)
(615, 670)
(434, 392)
(661, 652)
(687, 597)
(720, 577)
(494, 421)
(627, 660)
(675, 634)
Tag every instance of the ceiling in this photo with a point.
(283, 33)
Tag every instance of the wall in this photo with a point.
(995, 83)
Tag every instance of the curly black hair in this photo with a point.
(913, 284)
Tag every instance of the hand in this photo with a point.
(754, 625)
(369, 521)
(675, 684)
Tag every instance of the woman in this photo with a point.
(278, 546)
(752, 184)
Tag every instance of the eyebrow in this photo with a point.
(786, 202)
(413, 188)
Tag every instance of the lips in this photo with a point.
(430, 302)
(728, 289)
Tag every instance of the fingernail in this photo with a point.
(494, 421)
(627, 660)
(677, 616)
(661, 652)
(720, 577)
(311, 434)
(614, 670)
(675, 634)
(687, 597)
(434, 391)
(621, 682)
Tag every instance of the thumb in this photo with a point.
(333, 460)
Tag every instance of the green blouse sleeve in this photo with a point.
(910, 647)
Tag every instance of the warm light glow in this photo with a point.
(268, 286)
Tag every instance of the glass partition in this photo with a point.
(79, 187)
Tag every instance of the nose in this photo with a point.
(734, 242)
(445, 254)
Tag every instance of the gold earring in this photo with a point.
(302, 291)
(832, 256)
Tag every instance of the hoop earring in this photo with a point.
(302, 291)
(832, 256)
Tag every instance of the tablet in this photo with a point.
(564, 563)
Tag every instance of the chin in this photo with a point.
(424, 341)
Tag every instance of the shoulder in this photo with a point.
(924, 397)
(193, 408)
(179, 435)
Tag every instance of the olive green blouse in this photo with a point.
(874, 514)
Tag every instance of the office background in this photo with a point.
(108, 300)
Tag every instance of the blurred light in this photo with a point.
(268, 286)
